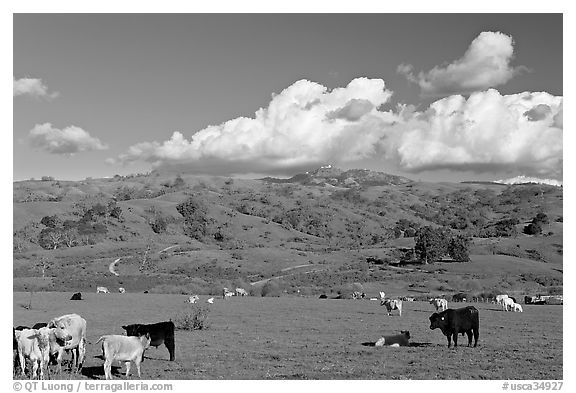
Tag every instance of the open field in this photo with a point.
(308, 338)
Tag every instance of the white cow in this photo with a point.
(507, 304)
(102, 290)
(56, 339)
(211, 300)
(121, 290)
(500, 299)
(439, 304)
(226, 293)
(34, 345)
(75, 326)
(241, 292)
(517, 307)
(129, 349)
(392, 304)
(382, 295)
(193, 299)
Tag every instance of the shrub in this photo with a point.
(271, 289)
(193, 317)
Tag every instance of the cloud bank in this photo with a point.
(307, 125)
(485, 64)
(69, 140)
(32, 87)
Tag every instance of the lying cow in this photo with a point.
(392, 304)
(160, 333)
(193, 299)
(125, 349)
(102, 290)
(462, 320)
(397, 340)
(76, 296)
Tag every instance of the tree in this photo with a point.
(459, 248)
(51, 221)
(196, 220)
(50, 238)
(431, 244)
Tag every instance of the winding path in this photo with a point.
(113, 265)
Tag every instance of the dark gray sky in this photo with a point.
(102, 88)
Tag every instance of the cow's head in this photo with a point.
(406, 333)
(135, 330)
(145, 340)
(438, 321)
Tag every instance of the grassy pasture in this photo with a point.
(307, 338)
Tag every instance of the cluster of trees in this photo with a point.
(197, 223)
(89, 229)
(535, 227)
(405, 228)
(433, 244)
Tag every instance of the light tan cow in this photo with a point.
(128, 349)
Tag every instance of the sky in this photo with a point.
(435, 97)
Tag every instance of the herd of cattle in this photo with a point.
(46, 343)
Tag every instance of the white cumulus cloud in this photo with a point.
(69, 140)
(485, 64)
(33, 87)
(307, 125)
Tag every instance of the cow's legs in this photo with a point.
(469, 334)
(22, 362)
(81, 354)
(137, 363)
(476, 334)
(449, 340)
(455, 337)
(107, 369)
(169, 342)
(128, 368)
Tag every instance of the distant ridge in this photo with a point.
(337, 177)
(529, 180)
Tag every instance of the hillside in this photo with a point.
(324, 231)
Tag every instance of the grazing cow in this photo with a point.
(75, 325)
(193, 299)
(439, 304)
(500, 298)
(102, 290)
(517, 307)
(121, 290)
(125, 349)
(30, 347)
(76, 296)
(160, 333)
(462, 320)
(392, 304)
(397, 340)
(507, 304)
(211, 300)
(241, 292)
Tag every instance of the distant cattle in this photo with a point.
(226, 293)
(192, 299)
(160, 333)
(358, 295)
(211, 300)
(397, 340)
(382, 295)
(323, 296)
(102, 290)
(392, 304)
(507, 304)
(75, 325)
(439, 304)
(125, 349)
(241, 292)
(517, 307)
(407, 299)
(121, 290)
(462, 320)
(76, 296)
(459, 297)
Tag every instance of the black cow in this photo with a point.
(76, 296)
(21, 327)
(462, 320)
(459, 297)
(396, 340)
(160, 333)
(323, 296)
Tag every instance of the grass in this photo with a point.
(308, 338)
